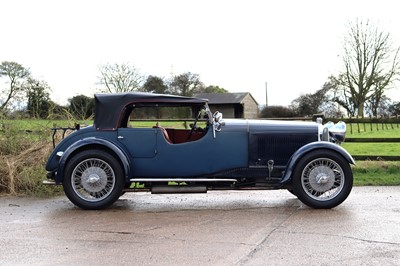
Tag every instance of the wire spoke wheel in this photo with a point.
(93, 179)
(322, 179)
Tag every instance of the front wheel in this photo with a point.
(93, 179)
(322, 179)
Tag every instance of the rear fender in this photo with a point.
(311, 147)
(92, 142)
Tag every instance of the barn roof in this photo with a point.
(224, 98)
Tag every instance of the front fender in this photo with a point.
(92, 141)
(311, 147)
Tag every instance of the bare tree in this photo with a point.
(123, 77)
(394, 108)
(16, 75)
(378, 105)
(370, 63)
(337, 94)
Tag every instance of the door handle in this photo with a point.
(120, 137)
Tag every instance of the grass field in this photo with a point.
(26, 144)
(377, 131)
(376, 173)
(382, 149)
(39, 124)
(42, 125)
(379, 149)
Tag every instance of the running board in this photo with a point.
(182, 180)
(178, 189)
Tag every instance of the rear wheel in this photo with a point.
(126, 186)
(93, 179)
(322, 179)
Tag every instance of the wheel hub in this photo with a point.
(94, 179)
(322, 178)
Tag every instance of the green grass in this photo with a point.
(23, 154)
(39, 124)
(166, 124)
(378, 149)
(377, 132)
(376, 173)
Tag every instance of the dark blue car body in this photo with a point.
(97, 164)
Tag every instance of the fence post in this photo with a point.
(351, 127)
(370, 118)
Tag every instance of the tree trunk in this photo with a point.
(361, 110)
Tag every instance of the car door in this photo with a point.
(153, 156)
(139, 142)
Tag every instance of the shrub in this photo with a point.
(22, 160)
(277, 111)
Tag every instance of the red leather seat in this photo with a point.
(165, 133)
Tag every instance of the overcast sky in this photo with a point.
(238, 45)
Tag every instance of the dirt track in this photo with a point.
(217, 228)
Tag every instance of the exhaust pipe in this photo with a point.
(49, 182)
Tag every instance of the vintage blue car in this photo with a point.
(117, 154)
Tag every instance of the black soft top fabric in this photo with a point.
(110, 107)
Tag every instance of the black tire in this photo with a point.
(126, 186)
(93, 179)
(322, 179)
(291, 191)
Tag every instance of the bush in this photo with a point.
(277, 111)
(22, 160)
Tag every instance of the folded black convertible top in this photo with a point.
(110, 106)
